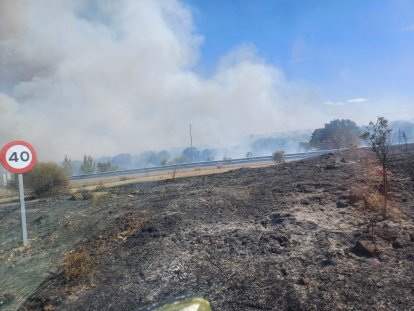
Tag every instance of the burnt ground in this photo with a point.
(294, 236)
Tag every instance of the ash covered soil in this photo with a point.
(293, 236)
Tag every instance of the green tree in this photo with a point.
(278, 156)
(336, 134)
(88, 165)
(378, 137)
(67, 165)
(105, 167)
(45, 179)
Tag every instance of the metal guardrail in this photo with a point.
(290, 156)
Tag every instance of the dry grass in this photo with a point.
(92, 184)
(373, 202)
(77, 266)
(99, 198)
(135, 224)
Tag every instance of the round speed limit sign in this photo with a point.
(18, 157)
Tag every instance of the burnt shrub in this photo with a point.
(77, 266)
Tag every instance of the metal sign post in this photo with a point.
(22, 209)
(19, 157)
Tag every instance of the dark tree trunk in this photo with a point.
(385, 182)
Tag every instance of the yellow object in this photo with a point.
(188, 304)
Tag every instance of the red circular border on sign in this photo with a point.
(16, 170)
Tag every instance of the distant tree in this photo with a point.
(67, 165)
(122, 160)
(279, 156)
(207, 155)
(163, 161)
(192, 154)
(336, 134)
(88, 165)
(404, 136)
(378, 136)
(164, 154)
(399, 136)
(154, 158)
(181, 159)
(105, 167)
(249, 154)
(46, 179)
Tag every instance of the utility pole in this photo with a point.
(191, 143)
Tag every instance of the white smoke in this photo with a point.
(104, 77)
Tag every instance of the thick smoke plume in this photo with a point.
(104, 77)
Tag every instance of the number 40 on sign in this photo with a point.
(19, 157)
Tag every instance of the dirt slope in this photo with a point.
(274, 238)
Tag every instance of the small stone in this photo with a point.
(302, 281)
(397, 244)
(364, 248)
(354, 199)
(327, 262)
(342, 204)
(278, 219)
(387, 234)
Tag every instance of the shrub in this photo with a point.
(378, 136)
(46, 179)
(77, 266)
(278, 156)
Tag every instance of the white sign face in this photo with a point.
(18, 157)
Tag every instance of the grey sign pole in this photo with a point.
(22, 209)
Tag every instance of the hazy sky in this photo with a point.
(105, 77)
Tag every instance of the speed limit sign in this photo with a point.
(18, 157)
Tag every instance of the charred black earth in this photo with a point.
(293, 236)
